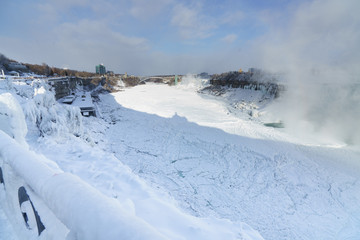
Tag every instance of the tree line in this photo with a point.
(44, 69)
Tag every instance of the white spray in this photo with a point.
(320, 53)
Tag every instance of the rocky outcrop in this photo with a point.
(131, 81)
(165, 79)
(245, 80)
(231, 79)
(64, 86)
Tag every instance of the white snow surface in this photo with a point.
(140, 212)
(215, 163)
(194, 166)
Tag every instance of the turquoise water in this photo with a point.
(275, 125)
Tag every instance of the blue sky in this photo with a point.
(142, 36)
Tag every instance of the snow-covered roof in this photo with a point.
(83, 100)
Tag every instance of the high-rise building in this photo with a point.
(100, 69)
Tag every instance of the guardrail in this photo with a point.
(48, 203)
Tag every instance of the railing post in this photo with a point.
(1, 177)
(24, 197)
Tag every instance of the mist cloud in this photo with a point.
(319, 52)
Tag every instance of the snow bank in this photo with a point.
(12, 119)
(6, 230)
(43, 114)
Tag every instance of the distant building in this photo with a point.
(100, 69)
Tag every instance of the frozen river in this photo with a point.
(212, 161)
(217, 163)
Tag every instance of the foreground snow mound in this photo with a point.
(135, 213)
(69, 198)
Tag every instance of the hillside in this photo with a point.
(9, 65)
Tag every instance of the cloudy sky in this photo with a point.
(145, 37)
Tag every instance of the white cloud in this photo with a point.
(100, 34)
(233, 18)
(96, 32)
(191, 23)
(53, 7)
(229, 38)
(48, 12)
(144, 9)
(67, 3)
(91, 42)
(81, 46)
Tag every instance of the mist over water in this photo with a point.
(319, 54)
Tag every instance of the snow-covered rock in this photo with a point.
(12, 119)
(52, 118)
